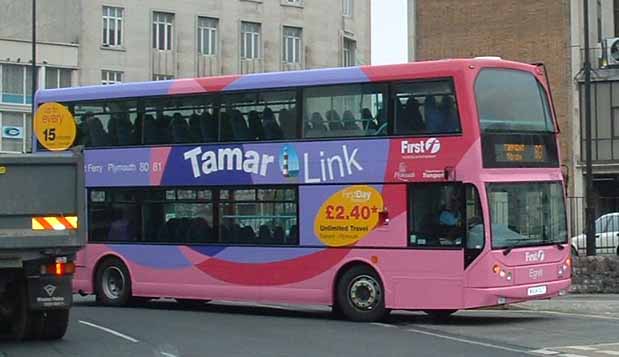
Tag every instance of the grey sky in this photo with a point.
(389, 31)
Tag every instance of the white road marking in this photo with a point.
(581, 348)
(571, 355)
(612, 353)
(544, 351)
(382, 324)
(109, 330)
(166, 354)
(571, 314)
(464, 340)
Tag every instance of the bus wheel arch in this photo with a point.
(351, 277)
(112, 281)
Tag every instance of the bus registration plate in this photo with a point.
(537, 290)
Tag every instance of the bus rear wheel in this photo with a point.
(113, 283)
(360, 295)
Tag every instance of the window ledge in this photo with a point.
(287, 4)
(256, 1)
(111, 48)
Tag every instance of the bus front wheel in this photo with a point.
(113, 283)
(360, 295)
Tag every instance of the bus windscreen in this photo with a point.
(511, 100)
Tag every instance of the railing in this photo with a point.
(606, 224)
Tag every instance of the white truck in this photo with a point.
(41, 230)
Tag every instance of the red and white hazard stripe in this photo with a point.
(54, 223)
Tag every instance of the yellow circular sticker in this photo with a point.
(54, 127)
(348, 215)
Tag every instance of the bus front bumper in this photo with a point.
(481, 297)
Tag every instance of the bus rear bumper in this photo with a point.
(480, 297)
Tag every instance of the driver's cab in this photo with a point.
(446, 215)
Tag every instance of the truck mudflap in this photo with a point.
(50, 292)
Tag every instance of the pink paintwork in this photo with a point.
(412, 278)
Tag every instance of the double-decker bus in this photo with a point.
(431, 186)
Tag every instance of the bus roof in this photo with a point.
(273, 80)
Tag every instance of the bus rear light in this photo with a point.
(568, 261)
(496, 268)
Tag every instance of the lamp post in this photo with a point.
(589, 213)
(34, 53)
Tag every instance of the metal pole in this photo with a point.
(34, 54)
(589, 212)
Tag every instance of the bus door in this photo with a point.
(445, 236)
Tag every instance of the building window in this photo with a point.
(291, 51)
(616, 16)
(207, 36)
(250, 40)
(57, 78)
(350, 47)
(162, 77)
(347, 7)
(14, 136)
(111, 77)
(16, 87)
(163, 31)
(112, 26)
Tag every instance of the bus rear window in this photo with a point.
(511, 100)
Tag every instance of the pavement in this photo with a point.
(583, 304)
(572, 326)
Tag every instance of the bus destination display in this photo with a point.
(520, 153)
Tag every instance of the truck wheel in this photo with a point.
(20, 320)
(360, 295)
(50, 325)
(113, 283)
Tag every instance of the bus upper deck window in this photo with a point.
(426, 108)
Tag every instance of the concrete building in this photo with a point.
(86, 42)
(548, 31)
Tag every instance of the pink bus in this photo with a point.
(432, 186)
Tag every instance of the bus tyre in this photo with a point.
(440, 315)
(113, 283)
(360, 295)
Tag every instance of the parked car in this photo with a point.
(606, 236)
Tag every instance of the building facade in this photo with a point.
(88, 42)
(548, 31)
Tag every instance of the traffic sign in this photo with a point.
(55, 127)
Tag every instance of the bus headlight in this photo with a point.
(501, 272)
